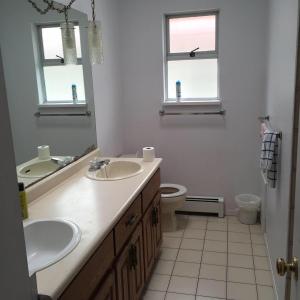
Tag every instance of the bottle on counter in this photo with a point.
(74, 92)
(23, 200)
(178, 89)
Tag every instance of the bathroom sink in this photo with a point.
(116, 170)
(38, 169)
(48, 241)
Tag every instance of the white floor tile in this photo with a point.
(186, 269)
(215, 246)
(216, 235)
(241, 291)
(214, 258)
(213, 272)
(240, 248)
(189, 256)
(207, 298)
(168, 253)
(196, 224)
(255, 228)
(241, 275)
(164, 267)
(211, 288)
(192, 244)
(178, 233)
(257, 239)
(236, 237)
(217, 226)
(171, 242)
(192, 233)
(265, 293)
(259, 250)
(263, 277)
(233, 220)
(154, 295)
(217, 220)
(239, 260)
(261, 263)
(183, 285)
(238, 228)
(176, 296)
(159, 282)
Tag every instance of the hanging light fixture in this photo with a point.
(68, 32)
(68, 41)
(95, 39)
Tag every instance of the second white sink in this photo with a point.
(116, 170)
(48, 241)
(38, 169)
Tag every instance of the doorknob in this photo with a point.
(283, 267)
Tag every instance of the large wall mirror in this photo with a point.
(50, 103)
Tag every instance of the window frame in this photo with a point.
(213, 54)
(43, 62)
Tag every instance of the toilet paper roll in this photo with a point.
(148, 154)
(43, 152)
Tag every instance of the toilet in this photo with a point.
(172, 198)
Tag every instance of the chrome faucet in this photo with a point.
(62, 162)
(97, 164)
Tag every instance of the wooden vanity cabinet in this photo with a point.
(121, 266)
(107, 290)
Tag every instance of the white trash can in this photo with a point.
(249, 206)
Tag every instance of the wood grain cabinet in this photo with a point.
(122, 265)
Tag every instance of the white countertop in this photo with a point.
(95, 206)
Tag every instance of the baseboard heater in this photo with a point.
(203, 205)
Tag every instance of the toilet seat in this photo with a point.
(181, 190)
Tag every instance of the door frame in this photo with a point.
(293, 174)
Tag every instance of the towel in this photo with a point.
(269, 156)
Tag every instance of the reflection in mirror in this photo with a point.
(50, 104)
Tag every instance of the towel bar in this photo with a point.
(39, 114)
(220, 112)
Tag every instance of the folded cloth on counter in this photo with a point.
(269, 156)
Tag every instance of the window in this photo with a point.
(57, 79)
(192, 58)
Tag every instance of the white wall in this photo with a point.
(106, 78)
(14, 283)
(65, 135)
(280, 105)
(211, 155)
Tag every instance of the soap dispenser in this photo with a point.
(23, 200)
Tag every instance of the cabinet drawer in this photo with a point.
(150, 190)
(127, 223)
(89, 277)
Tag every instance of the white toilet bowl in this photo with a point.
(172, 198)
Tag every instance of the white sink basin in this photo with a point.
(38, 169)
(48, 241)
(116, 170)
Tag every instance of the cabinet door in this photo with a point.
(123, 275)
(130, 268)
(157, 228)
(137, 271)
(149, 243)
(107, 290)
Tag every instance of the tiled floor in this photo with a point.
(210, 259)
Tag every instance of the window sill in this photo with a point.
(215, 102)
(62, 105)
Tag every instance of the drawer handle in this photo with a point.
(155, 219)
(132, 257)
(131, 220)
